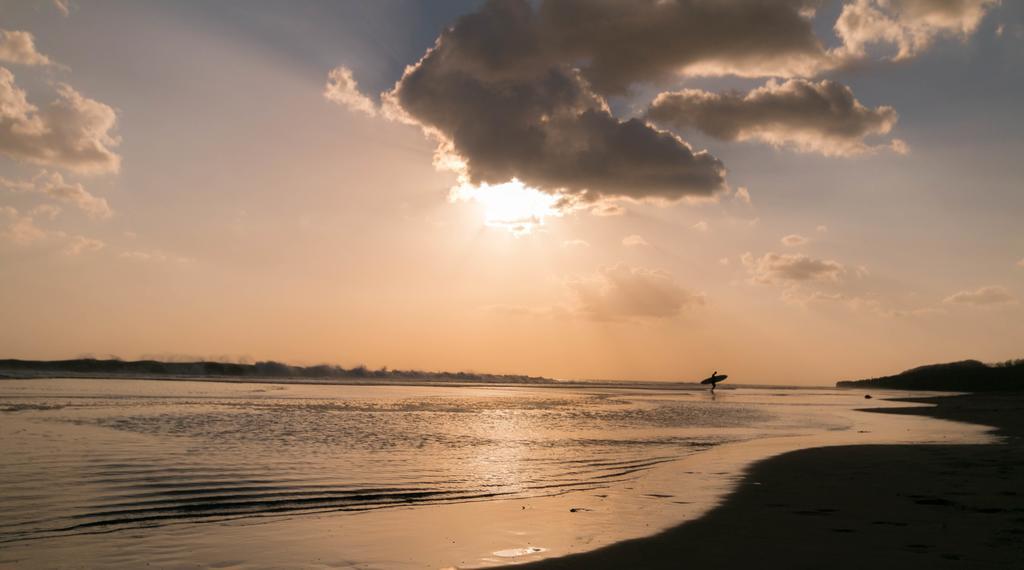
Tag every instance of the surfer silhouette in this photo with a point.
(714, 379)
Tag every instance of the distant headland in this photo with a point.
(116, 368)
(962, 376)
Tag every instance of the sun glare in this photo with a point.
(511, 205)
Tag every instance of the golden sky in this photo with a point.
(548, 188)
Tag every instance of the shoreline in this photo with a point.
(916, 505)
(357, 381)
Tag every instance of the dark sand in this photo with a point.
(864, 506)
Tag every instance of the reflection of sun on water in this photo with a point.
(499, 466)
(511, 205)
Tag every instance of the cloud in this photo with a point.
(634, 241)
(742, 195)
(822, 228)
(82, 244)
(622, 292)
(519, 89)
(63, 6)
(791, 267)
(989, 295)
(553, 134)
(17, 185)
(607, 209)
(19, 47)
(800, 296)
(822, 117)
(626, 42)
(20, 229)
(907, 26)
(793, 240)
(342, 89)
(154, 255)
(700, 226)
(53, 184)
(500, 93)
(48, 211)
(72, 132)
(574, 243)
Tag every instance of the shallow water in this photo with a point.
(91, 461)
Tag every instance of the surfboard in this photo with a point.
(716, 378)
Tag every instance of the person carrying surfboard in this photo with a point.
(714, 379)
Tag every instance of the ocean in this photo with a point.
(119, 473)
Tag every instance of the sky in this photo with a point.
(787, 191)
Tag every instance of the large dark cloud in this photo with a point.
(502, 100)
(515, 91)
(819, 116)
(620, 43)
(617, 43)
(518, 89)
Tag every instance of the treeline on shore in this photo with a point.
(268, 369)
(962, 376)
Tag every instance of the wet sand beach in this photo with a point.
(882, 506)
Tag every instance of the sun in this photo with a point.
(512, 205)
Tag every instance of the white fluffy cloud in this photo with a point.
(742, 195)
(342, 89)
(808, 116)
(623, 292)
(989, 295)
(72, 132)
(19, 47)
(793, 240)
(906, 26)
